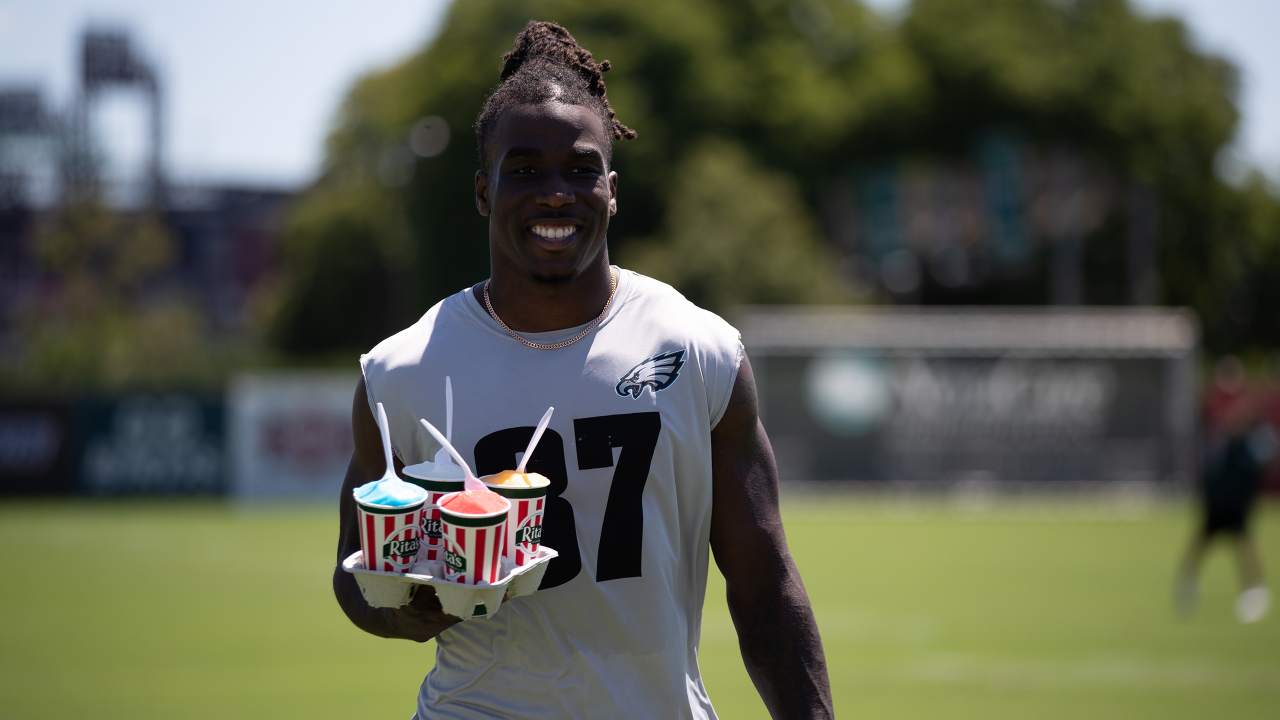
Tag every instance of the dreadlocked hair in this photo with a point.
(548, 65)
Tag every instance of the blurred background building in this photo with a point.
(89, 260)
(226, 237)
(1021, 169)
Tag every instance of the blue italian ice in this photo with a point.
(390, 492)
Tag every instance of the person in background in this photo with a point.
(1240, 448)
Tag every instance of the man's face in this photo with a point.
(548, 193)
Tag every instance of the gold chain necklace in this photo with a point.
(613, 289)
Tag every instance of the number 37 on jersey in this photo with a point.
(622, 529)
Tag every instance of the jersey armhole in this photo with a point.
(373, 406)
(733, 380)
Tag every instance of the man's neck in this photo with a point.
(528, 305)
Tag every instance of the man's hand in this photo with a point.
(777, 634)
(421, 619)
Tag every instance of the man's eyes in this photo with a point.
(580, 171)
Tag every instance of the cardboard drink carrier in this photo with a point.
(393, 589)
(479, 595)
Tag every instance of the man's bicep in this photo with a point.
(367, 464)
(746, 526)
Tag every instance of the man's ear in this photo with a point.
(482, 192)
(613, 193)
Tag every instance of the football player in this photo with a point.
(655, 454)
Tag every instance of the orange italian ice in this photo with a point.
(511, 478)
(475, 502)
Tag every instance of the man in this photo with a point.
(654, 453)
(1240, 450)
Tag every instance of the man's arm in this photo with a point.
(777, 634)
(420, 620)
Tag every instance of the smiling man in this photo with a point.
(655, 454)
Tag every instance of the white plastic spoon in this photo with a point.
(448, 409)
(442, 455)
(469, 480)
(386, 443)
(533, 441)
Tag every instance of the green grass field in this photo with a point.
(1014, 610)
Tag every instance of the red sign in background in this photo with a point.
(307, 441)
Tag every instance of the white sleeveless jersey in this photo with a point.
(614, 630)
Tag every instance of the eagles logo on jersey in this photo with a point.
(656, 373)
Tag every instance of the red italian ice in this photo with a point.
(476, 502)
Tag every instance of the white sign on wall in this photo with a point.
(289, 434)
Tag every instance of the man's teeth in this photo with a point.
(554, 231)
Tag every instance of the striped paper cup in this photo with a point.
(524, 520)
(389, 536)
(432, 541)
(472, 545)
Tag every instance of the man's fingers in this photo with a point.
(426, 606)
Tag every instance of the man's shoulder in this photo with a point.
(406, 347)
(680, 333)
(661, 305)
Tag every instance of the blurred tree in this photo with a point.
(346, 273)
(1239, 287)
(805, 88)
(737, 234)
(788, 81)
(1089, 71)
(1132, 92)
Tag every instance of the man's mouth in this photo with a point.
(554, 232)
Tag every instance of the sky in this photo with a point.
(252, 86)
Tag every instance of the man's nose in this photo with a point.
(555, 192)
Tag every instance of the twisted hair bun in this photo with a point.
(548, 65)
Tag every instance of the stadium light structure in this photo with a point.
(22, 119)
(108, 59)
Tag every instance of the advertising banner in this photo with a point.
(290, 434)
(151, 444)
(1034, 395)
(35, 448)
